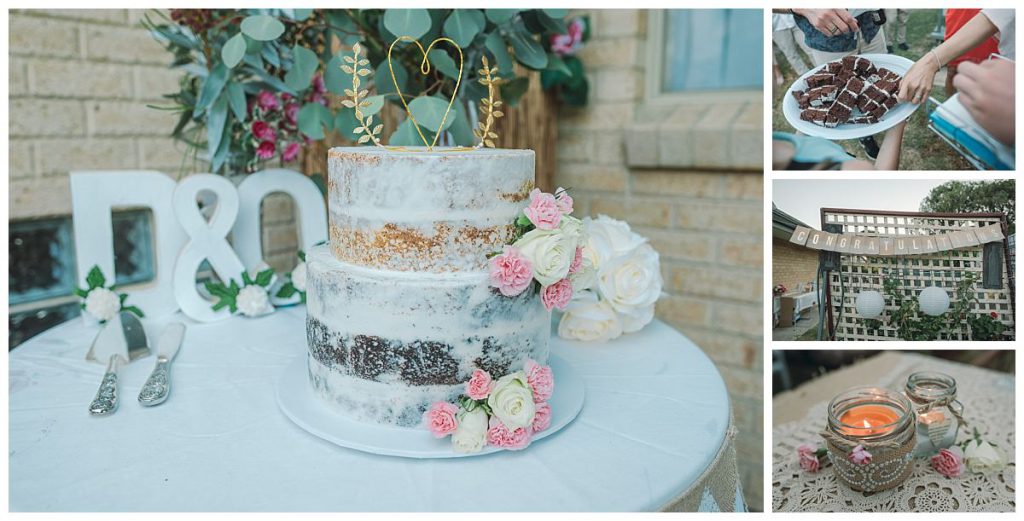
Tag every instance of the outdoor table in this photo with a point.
(654, 433)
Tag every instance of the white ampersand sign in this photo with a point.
(207, 241)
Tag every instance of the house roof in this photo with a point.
(783, 224)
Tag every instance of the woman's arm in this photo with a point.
(888, 155)
(917, 83)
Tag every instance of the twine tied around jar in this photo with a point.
(945, 402)
(850, 444)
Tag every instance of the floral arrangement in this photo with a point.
(100, 302)
(547, 253)
(779, 289)
(974, 454)
(626, 283)
(568, 80)
(505, 413)
(296, 280)
(250, 300)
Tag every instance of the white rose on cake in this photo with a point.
(102, 304)
(512, 401)
(589, 319)
(471, 434)
(631, 284)
(550, 253)
(608, 238)
(982, 456)
(252, 301)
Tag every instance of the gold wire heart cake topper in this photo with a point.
(357, 98)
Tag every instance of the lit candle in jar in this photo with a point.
(868, 420)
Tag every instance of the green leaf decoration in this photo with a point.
(216, 119)
(405, 135)
(325, 116)
(309, 121)
(233, 50)
(407, 22)
(461, 130)
(528, 51)
(444, 63)
(301, 14)
(500, 16)
(382, 78)
(462, 26)
(343, 27)
(335, 79)
(303, 67)
(375, 104)
(499, 49)
(95, 278)
(236, 100)
(134, 310)
(212, 87)
(264, 277)
(221, 155)
(429, 112)
(80, 293)
(513, 90)
(302, 255)
(262, 27)
(246, 278)
(287, 290)
(344, 122)
(557, 65)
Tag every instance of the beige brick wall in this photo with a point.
(792, 265)
(80, 83)
(706, 224)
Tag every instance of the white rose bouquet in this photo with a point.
(505, 413)
(620, 281)
(251, 299)
(100, 302)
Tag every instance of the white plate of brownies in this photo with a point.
(849, 98)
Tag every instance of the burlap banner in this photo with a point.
(901, 245)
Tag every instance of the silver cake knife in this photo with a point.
(158, 385)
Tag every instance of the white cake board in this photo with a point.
(900, 112)
(301, 405)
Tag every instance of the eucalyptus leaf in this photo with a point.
(325, 116)
(407, 22)
(500, 16)
(271, 55)
(309, 121)
(343, 27)
(344, 122)
(499, 49)
(212, 88)
(556, 13)
(557, 65)
(528, 51)
(262, 27)
(335, 79)
(304, 65)
(461, 130)
(462, 27)
(233, 50)
(429, 112)
(513, 90)
(406, 135)
(236, 100)
(382, 77)
(376, 103)
(444, 63)
(223, 150)
(301, 14)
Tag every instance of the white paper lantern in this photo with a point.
(870, 304)
(933, 300)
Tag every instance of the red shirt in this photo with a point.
(957, 18)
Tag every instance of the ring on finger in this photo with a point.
(834, 29)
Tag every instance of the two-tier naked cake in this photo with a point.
(400, 311)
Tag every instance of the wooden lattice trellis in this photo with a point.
(913, 272)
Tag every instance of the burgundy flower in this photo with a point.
(268, 101)
(291, 113)
(266, 150)
(318, 84)
(291, 151)
(285, 97)
(994, 314)
(264, 132)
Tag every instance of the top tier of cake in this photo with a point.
(437, 211)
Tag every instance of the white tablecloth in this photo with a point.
(655, 418)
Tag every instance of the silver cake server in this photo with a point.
(158, 385)
(121, 341)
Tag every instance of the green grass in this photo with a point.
(922, 149)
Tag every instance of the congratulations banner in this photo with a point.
(887, 246)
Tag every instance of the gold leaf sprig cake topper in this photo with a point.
(357, 98)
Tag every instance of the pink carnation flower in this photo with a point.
(563, 200)
(267, 100)
(860, 456)
(541, 417)
(479, 385)
(500, 436)
(543, 211)
(566, 44)
(263, 131)
(808, 460)
(557, 295)
(577, 261)
(541, 380)
(510, 272)
(291, 151)
(949, 462)
(440, 419)
(266, 150)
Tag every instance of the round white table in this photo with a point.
(654, 433)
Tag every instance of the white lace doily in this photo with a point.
(988, 399)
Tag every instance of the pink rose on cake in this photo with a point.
(479, 385)
(440, 419)
(500, 435)
(510, 272)
(541, 380)
(543, 211)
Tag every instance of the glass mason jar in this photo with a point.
(882, 422)
(937, 410)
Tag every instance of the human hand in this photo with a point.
(831, 22)
(917, 82)
(986, 91)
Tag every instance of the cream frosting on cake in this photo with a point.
(400, 311)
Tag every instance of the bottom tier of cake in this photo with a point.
(383, 345)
